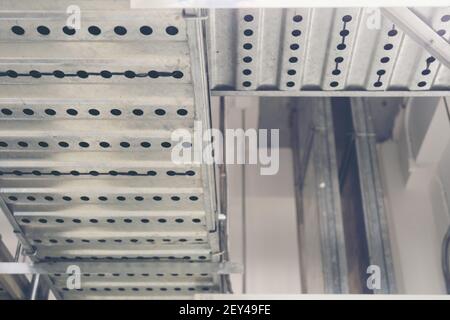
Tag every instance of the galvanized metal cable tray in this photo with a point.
(85, 147)
(322, 51)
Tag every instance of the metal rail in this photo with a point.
(320, 216)
(377, 232)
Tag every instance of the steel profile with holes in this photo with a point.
(322, 51)
(85, 145)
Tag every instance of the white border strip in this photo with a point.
(146, 4)
(322, 297)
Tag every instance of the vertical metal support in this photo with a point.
(196, 41)
(18, 253)
(195, 33)
(35, 286)
(372, 196)
(300, 162)
(446, 259)
(334, 261)
(244, 213)
(321, 228)
(223, 200)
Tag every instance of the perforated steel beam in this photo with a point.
(114, 267)
(326, 52)
(421, 32)
(87, 117)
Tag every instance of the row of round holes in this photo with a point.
(94, 30)
(139, 289)
(344, 32)
(93, 112)
(249, 46)
(387, 47)
(111, 221)
(113, 173)
(341, 46)
(432, 59)
(427, 70)
(133, 274)
(444, 18)
(381, 72)
(104, 74)
(71, 241)
(293, 47)
(84, 144)
(102, 198)
(126, 220)
(186, 258)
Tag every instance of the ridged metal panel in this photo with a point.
(85, 145)
(321, 50)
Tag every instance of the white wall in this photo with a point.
(269, 248)
(416, 182)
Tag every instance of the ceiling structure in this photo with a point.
(87, 116)
(323, 51)
(86, 152)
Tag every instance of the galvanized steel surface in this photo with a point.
(85, 145)
(320, 50)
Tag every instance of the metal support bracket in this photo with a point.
(420, 32)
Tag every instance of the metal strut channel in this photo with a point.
(320, 215)
(86, 118)
(328, 201)
(377, 232)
